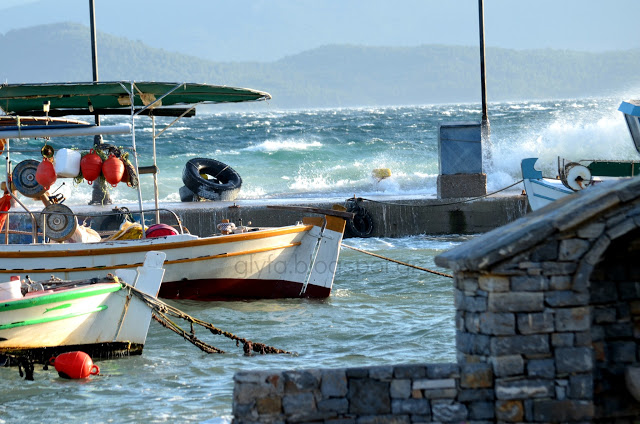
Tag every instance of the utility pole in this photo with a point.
(100, 195)
(485, 128)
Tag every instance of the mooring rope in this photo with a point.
(162, 311)
(398, 262)
(471, 199)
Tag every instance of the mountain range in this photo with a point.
(328, 76)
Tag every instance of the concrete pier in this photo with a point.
(390, 216)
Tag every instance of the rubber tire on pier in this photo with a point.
(224, 184)
(362, 223)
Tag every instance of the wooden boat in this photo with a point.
(246, 262)
(98, 316)
(576, 176)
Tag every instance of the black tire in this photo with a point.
(362, 223)
(224, 184)
(187, 195)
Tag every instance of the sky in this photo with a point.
(267, 30)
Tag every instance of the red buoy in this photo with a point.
(74, 365)
(160, 230)
(91, 166)
(113, 168)
(45, 173)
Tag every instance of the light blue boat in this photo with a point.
(576, 176)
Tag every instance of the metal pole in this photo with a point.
(155, 165)
(485, 128)
(485, 116)
(94, 47)
(100, 194)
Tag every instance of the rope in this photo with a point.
(444, 204)
(163, 311)
(398, 262)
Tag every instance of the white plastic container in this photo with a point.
(10, 290)
(67, 163)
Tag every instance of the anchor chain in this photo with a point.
(163, 311)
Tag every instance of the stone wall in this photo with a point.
(398, 394)
(615, 296)
(547, 321)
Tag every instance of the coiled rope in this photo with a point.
(163, 311)
(398, 262)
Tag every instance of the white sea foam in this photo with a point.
(320, 153)
(573, 135)
(271, 146)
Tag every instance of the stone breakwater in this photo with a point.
(390, 217)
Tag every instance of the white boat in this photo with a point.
(576, 176)
(99, 316)
(541, 191)
(291, 261)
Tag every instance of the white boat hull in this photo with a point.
(103, 318)
(293, 261)
(541, 191)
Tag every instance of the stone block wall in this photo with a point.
(417, 393)
(615, 296)
(547, 323)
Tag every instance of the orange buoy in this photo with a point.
(91, 166)
(45, 173)
(74, 365)
(113, 169)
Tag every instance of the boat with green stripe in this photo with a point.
(97, 315)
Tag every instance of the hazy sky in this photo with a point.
(266, 30)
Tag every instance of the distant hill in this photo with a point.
(329, 76)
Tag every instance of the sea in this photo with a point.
(379, 312)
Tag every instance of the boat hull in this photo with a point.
(293, 261)
(222, 289)
(103, 318)
(540, 191)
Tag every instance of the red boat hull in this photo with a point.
(233, 289)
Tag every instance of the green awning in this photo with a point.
(21, 99)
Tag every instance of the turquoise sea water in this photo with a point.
(378, 313)
(331, 152)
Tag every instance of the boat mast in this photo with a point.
(100, 195)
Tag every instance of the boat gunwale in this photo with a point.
(166, 262)
(36, 251)
(62, 296)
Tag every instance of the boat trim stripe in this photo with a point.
(551, 187)
(50, 319)
(174, 261)
(159, 246)
(66, 295)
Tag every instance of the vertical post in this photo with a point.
(94, 48)
(100, 194)
(485, 128)
(155, 166)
